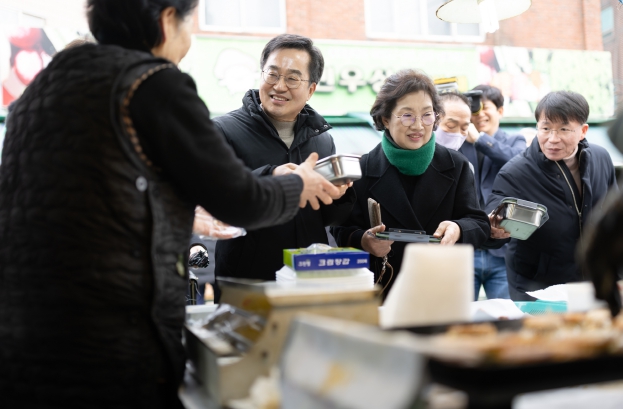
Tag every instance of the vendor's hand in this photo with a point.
(497, 232)
(449, 232)
(374, 246)
(472, 134)
(206, 225)
(315, 187)
(286, 169)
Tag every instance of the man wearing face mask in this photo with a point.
(455, 123)
(488, 149)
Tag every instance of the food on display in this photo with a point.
(544, 338)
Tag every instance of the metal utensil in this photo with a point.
(339, 169)
(520, 217)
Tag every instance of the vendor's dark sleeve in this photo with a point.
(176, 132)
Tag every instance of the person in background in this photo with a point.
(566, 174)
(272, 133)
(454, 124)
(419, 185)
(488, 148)
(107, 153)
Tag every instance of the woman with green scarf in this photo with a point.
(418, 184)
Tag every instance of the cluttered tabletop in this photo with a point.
(304, 343)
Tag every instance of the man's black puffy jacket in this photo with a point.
(255, 140)
(547, 257)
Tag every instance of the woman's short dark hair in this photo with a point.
(492, 94)
(563, 106)
(132, 24)
(316, 60)
(397, 86)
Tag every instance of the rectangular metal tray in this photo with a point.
(339, 169)
(410, 236)
(521, 218)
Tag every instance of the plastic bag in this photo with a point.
(207, 227)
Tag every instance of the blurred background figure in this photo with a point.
(600, 250)
(488, 148)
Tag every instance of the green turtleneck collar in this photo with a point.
(409, 162)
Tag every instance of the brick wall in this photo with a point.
(333, 19)
(566, 24)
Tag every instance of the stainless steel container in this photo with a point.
(520, 218)
(339, 169)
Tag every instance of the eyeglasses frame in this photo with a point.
(264, 73)
(435, 116)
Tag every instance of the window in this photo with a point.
(607, 20)
(243, 15)
(415, 19)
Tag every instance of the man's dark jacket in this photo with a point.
(255, 140)
(445, 191)
(547, 257)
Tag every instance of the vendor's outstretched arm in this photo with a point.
(179, 137)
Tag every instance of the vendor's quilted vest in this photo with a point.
(93, 240)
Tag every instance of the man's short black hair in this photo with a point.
(285, 41)
(564, 107)
(397, 86)
(492, 94)
(132, 24)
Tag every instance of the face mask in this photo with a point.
(449, 140)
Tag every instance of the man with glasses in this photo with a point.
(488, 148)
(272, 133)
(566, 174)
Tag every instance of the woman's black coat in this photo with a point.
(445, 191)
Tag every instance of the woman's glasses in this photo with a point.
(409, 119)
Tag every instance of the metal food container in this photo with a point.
(339, 169)
(520, 218)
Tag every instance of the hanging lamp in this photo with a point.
(485, 12)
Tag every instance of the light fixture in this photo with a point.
(485, 12)
(488, 16)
